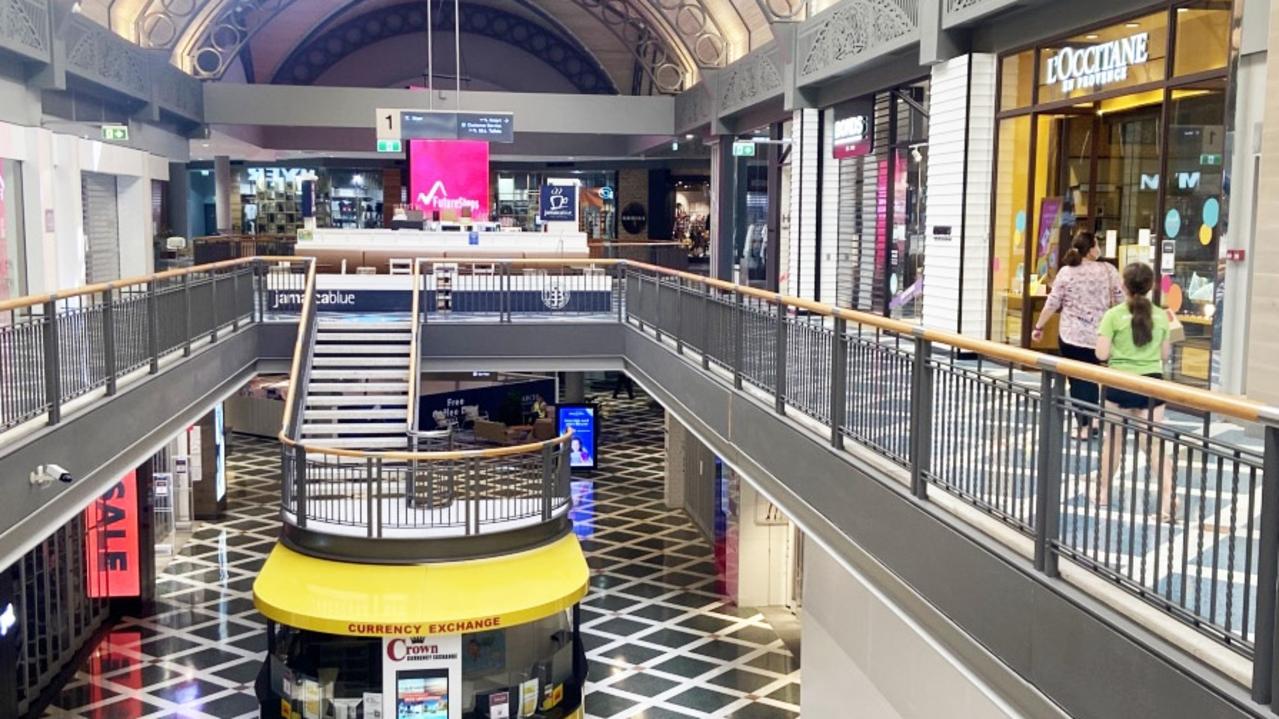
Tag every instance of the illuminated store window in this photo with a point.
(1203, 37)
(1127, 54)
(1009, 257)
(1017, 76)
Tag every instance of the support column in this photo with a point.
(677, 440)
(574, 387)
(961, 148)
(723, 199)
(178, 189)
(804, 245)
(222, 192)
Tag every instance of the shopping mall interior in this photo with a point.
(638, 359)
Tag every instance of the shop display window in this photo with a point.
(1142, 170)
(1017, 77)
(13, 246)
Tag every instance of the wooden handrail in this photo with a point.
(1183, 395)
(307, 309)
(32, 300)
(490, 453)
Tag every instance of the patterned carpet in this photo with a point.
(661, 642)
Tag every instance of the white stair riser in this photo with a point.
(351, 428)
(322, 361)
(364, 326)
(353, 387)
(359, 350)
(362, 443)
(357, 400)
(354, 413)
(356, 375)
(362, 337)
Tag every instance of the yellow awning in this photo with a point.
(420, 599)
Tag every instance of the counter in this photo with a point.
(375, 248)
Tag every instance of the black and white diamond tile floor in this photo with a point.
(662, 642)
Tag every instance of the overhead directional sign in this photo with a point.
(445, 125)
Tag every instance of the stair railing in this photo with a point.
(293, 453)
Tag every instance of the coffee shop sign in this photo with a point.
(1096, 65)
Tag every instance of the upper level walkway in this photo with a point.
(947, 461)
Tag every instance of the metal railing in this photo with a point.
(528, 290)
(58, 347)
(1159, 506)
(215, 248)
(671, 255)
(413, 494)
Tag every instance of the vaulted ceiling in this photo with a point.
(626, 46)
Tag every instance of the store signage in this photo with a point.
(581, 418)
(446, 125)
(1185, 181)
(115, 133)
(743, 148)
(111, 541)
(450, 177)
(280, 175)
(464, 625)
(606, 193)
(853, 136)
(422, 677)
(1096, 65)
(634, 218)
(558, 203)
(390, 146)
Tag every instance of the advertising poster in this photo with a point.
(500, 705)
(559, 203)
(528, 698)
(450, 177)
(111, 541)
(581, 418)
(422, 677)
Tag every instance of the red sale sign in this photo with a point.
(450, 177)
(111, 541)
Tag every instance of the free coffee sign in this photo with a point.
(450, 177)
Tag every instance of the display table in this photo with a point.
(376, 248)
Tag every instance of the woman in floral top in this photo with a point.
(1083, 291)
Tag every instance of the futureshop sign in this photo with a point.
(1097, 65)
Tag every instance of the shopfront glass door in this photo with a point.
(1128, 166)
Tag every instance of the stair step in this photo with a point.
(358, 326)
(323, 336)
(349, 361)
(352, 350)
(357, 375)
(384, 443)
(353, 387)
(355, 414)
(349, 428)
(355, 400)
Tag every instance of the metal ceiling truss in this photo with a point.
(321, 50)
(670, 39)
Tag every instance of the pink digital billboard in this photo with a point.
(450, 177)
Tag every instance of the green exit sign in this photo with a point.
(1210, 159)
(390, 146)
(115, 133)
(743, 148)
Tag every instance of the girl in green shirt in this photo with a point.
(1133, 338)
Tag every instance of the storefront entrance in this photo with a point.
(1118, 131)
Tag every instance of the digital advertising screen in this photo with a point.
(583, 420)
(422, 694)
(450, 177)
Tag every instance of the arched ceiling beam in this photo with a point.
(671, 39)
(323, 49)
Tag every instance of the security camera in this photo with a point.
(47, 473)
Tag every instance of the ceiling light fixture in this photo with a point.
(1131, 25)
(1091, 36)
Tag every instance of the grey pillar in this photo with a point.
(723, 198)
(222, 192)
(574, 387)
(179, 189)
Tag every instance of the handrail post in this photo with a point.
(838, 382)
(299, 483)
(706, 326)
(779, 359)
(504, 303)
(739, 340)
(213, 306)
(547, 483)
(377, 498)
(1265, 678)
(921, 417)
(52, 364)
(1048, 482)
(657, 315)
(368, 493)
(153, 326)
(259, 290)
(679, 316)
(235, 300)
(620, 271)
(639, 301)
(108, 338)
(186, 305)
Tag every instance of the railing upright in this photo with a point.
(153, 327)
(547, 479)
(52, 365)
(1048, 470)
(213, 307)
(921, 418)
(739, 339)
(1265, 675)
(108, 339)
(779, 373)
(706, 326)
(620, 293)
(838, 382)
(299, 483)
(186, 312)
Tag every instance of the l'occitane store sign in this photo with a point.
(1097, 65)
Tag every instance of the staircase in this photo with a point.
(358, 392)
